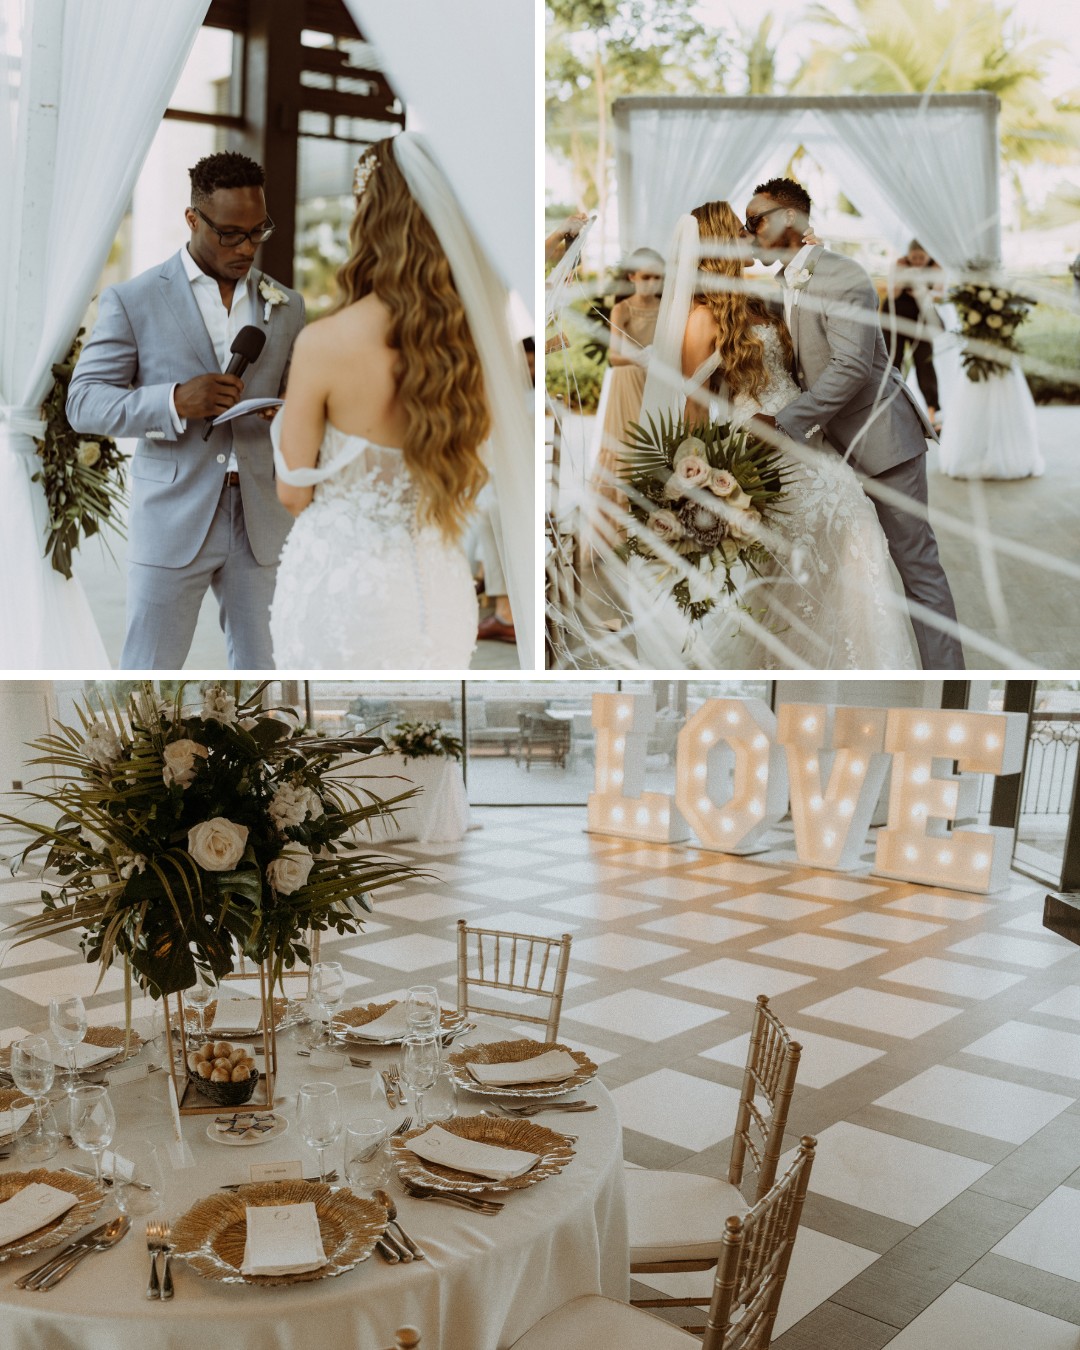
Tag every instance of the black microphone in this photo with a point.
(247, 347)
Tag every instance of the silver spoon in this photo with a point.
(391, 1213)
(114, 1231)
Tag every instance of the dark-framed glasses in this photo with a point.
(752, 222)
(234, 238)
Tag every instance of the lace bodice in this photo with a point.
(374, 478)
(780, 387)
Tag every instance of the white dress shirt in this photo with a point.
(222, 324)
(790, 272)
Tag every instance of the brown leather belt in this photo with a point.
(232, 479)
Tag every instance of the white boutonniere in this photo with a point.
(802, 279)
(272, 295)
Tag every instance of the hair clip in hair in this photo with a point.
(362, 174)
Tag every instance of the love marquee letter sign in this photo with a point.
(738, 767)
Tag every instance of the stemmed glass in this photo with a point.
(32, 1070)
(327, 989)
(319, 1117)
(93, 1122)
(422, 1010)
(420, 1063)
(67, 1022)
(199, 996)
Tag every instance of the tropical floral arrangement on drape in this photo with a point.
(189, 839)
(83, 479)
(424, 740)
(989, 317)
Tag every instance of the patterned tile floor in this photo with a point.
(941, 1065)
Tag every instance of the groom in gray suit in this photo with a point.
(204, 512)
(854, 398)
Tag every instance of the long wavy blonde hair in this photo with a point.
(742, 351)
(396, 255)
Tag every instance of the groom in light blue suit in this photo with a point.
(204, 513)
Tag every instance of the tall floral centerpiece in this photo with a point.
(185, 840)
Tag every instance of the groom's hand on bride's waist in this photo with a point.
(208, 395)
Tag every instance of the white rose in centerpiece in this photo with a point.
(290, 869)
(217, 845)
(180, 762)
(101, 744)
(218, 706)
(665, 525)
(88, 453)
(693, 470)
(292, 804)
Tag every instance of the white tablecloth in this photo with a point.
(438, 815)
(486, 1279)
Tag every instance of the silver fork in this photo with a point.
(403, 1128)
(394, 1070)
(166, 1272)
(153, 1246)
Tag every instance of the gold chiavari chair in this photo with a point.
(753, 1262)
(520, 963)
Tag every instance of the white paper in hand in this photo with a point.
(552, 1067)
(282, 1240)
(467, 1155)
(245, 406)
(32, 1208)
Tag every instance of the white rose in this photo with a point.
(101, 744)
(994, 321)
(218, 706)
(665, 525)
(218, 844)
(290, 869)
(693, 470)
(745, 525)
(997, 303)
(88, 453)
(180, 757)
(292, 804)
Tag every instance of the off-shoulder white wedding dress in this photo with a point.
(361, 584)
(829, 599)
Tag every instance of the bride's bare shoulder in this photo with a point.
(364, 322)
(700, 323)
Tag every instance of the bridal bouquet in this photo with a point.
(989, 316)
(424, 740)
(83, 480)
(184, 839)
(701, 499)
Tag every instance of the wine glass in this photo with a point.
(420, 1061)
(93, 1122)
(199, 996)
(138, 1179)
(366, 1160)
(327, 989)
(32, 1070)
(422, 1010)
(319, 1116)
(67, 1022)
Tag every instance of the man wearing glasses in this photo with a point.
(204, 512)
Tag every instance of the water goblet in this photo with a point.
(327, 989)
(441, 1101)
(32, 1071)
(420, 1061)
(138, 1179)
(367, 1159)
(422, 1010)
(199, 996)
(319, 1117)
(67, 1022)
(93, 1122)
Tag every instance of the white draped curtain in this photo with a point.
(917, 165)
(87, 84)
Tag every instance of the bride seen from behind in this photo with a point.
(378, 452)
(827, 599)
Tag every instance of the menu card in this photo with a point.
(467, 1155)
(552, 1067)
(282, 1240)
(32, 1208)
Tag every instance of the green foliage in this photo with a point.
(83, 480)
(989, 317)
(424, 740)
(1052, 337)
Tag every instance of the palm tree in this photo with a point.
(953, 47)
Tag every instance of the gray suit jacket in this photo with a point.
(852, 392)
(149, 335)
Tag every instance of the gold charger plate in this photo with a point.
(11, 1097)
(89, 1202)
(512, 1052)
(281, 1012)
(348, 1025)
(554, 1151)
(210, 1237)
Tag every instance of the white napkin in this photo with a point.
(391, 1026)
(282, 1240)
(12, 1121)
(551, 1067)
(86, 1056)
(32, 1208)
(467, 1155)
(237, 1015)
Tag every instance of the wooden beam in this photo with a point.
(336, 104)
(231, 14)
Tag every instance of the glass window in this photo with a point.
(1046, 800)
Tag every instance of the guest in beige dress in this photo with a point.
(633, 322)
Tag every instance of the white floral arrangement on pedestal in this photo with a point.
(424, 740)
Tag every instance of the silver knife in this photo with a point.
(61, 1255)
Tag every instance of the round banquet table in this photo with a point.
(439, 814)
(486, 1279)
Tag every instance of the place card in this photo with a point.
(290, 1169)
(114, 1165)
(32, 1208)
(179, 1153)
(327, 1059)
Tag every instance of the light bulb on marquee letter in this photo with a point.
(730, 776)
(619, 805)
(831, 812)
(917, 844)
